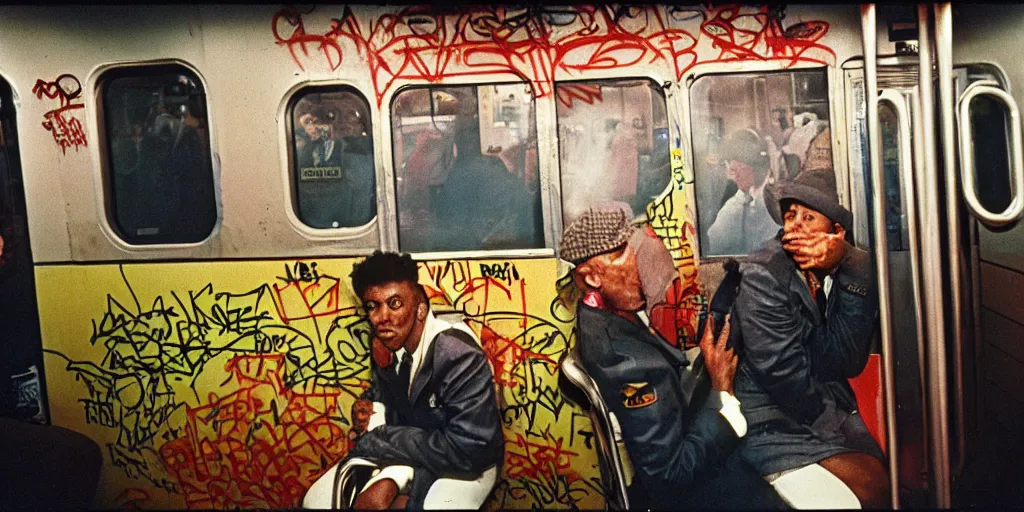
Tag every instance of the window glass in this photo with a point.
(466, 168)
(748, 130)
(332, 152)
(895, 204)
(612, 144)
(989, 133)
(158, 142)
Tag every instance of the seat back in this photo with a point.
(579, 388)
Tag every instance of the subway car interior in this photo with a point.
(185, 190)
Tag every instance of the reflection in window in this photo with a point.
(612, 144)
(895, 215)
(158, 143)
(749, 130)
(466, 165)
(335, 183)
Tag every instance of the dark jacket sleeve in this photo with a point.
(774, 330)
(841, 348)
(470, 442)
(665, 453)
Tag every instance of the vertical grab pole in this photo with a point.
(944, 55)
(870, 33)
(931, 249)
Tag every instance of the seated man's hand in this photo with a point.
(720, 361)
(816, 251)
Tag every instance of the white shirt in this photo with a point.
(742, 225)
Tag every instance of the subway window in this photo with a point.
(332, 158)
(466, 167)
(990, 133)
(749, 130)
(159, 168)
(612, 144)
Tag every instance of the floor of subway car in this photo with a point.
(992, 475)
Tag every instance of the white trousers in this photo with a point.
(813, 487)
(445, 493)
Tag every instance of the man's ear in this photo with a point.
(593, 280)
(421, 311)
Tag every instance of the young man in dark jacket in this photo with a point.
(682, 454)
(440, 444)
(804, 318)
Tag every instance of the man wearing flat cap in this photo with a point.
(683, 454)
(743, 222)
(803, 320)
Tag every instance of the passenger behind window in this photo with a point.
(336, 182)
(743, 223)
(797, 148)
(188, 164)
(476, 179)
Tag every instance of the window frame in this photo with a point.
(392, 235)
(837, 115)
(104, 184)
(291, 203)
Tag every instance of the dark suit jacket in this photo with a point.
(795, 364)
(452, 427)
(639, 377)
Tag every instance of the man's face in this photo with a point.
(741, 173)
(310, 125)
(802, 219)
(620, 279)
(392, 308)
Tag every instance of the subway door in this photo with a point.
(21, 366)
(897, 113)
(987, 81)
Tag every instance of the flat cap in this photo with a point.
(601, 229)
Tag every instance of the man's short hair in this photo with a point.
(384, 267)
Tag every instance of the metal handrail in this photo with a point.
(907, 168)
(931, 250)
(968, 173)
(869, 33)
(944, 56)
(922, 344)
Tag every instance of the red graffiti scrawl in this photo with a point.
(534, 43)
(261, 446)
(66, 129)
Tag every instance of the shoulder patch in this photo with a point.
(638, 394)
(856, 289)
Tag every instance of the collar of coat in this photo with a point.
(423, 356)
(781, 266)
(618, 327)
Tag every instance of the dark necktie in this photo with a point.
(817, 289)
(404, 372)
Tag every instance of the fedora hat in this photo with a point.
(815, 189)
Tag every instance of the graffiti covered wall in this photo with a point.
(234, 384)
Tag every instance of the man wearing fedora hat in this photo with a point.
(743, 222)
(683, 454)
(804, 318)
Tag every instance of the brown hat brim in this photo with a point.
(776, 193)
